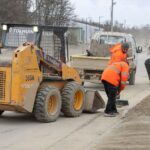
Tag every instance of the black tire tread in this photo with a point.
(132, 78)
(1, 112)
(39, 112)
(66, 99)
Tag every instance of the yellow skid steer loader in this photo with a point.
(34, 77)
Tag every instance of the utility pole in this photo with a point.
(124, 24)
(112, 11)
(100, 22)
(38, 11)
(86, 30)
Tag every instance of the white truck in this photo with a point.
(92, 64)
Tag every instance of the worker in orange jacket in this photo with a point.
(119, 53)
(114, 79)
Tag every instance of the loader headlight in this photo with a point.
(35, 29)
(4, 27)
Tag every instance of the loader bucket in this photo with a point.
(93, 101)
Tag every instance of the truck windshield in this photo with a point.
(16, 36)
(105, 39)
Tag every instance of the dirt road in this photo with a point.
(133, 133)
(22, 132)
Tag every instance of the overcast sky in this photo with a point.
(133, 12)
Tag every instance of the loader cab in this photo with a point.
(53, 42)
(15, 35)
(50, 39)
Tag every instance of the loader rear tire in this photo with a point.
(73, 98)
(47, 104)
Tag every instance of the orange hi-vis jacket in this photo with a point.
(117, 54)
(116, 74)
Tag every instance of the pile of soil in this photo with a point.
(141, 109)
(133, 133)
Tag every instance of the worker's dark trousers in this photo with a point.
(111, 92)
(147, 65)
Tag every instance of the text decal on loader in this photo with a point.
(29, 77)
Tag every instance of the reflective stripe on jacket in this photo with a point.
(116, 74)
(117, 54)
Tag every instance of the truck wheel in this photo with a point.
(132, 78)
(1, 112)
(73, 97)
(47, 104)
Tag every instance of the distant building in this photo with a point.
(76, 35)
(81, 32)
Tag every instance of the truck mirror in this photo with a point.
(139, 49)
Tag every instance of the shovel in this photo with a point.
(93, 101)
(120, 102)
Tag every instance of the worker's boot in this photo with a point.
(110, 114)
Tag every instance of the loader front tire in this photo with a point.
(47, 104)
(73, 98)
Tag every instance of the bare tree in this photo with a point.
(15, 11)
(53, 12)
